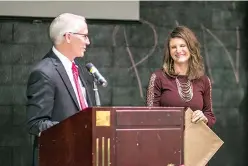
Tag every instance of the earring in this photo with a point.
(171, 65)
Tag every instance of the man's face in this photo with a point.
(79, 41)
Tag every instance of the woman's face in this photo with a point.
(179, 50)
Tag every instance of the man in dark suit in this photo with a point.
(58, 87)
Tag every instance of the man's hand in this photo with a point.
(198, 116)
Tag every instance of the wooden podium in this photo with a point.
(115, 136)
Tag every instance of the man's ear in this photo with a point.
(67, 37)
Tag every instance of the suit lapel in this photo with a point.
(67, 82)
(62, 72)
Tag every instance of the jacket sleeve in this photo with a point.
(40, 99)
(207, 102)
(153, 91)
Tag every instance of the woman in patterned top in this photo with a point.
(181, 82)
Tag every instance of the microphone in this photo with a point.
(93, 70)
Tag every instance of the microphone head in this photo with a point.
(93, 70)
(89, 67)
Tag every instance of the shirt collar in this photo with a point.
(65, 61)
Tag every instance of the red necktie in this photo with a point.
(79, 90)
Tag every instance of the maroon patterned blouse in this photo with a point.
(162, 91)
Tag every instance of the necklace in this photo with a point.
(185, 90)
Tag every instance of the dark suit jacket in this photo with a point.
(51, 97)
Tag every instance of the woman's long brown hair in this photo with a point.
(196, 65)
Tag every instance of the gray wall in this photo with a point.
(126, 54)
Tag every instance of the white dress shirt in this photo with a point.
(68, 68)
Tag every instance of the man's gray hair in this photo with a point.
(64, 23)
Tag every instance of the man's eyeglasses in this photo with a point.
(85, 36)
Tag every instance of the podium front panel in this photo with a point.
(148, 147)
(148, 137)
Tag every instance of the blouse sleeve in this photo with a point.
(207, 103)
(153, 91)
